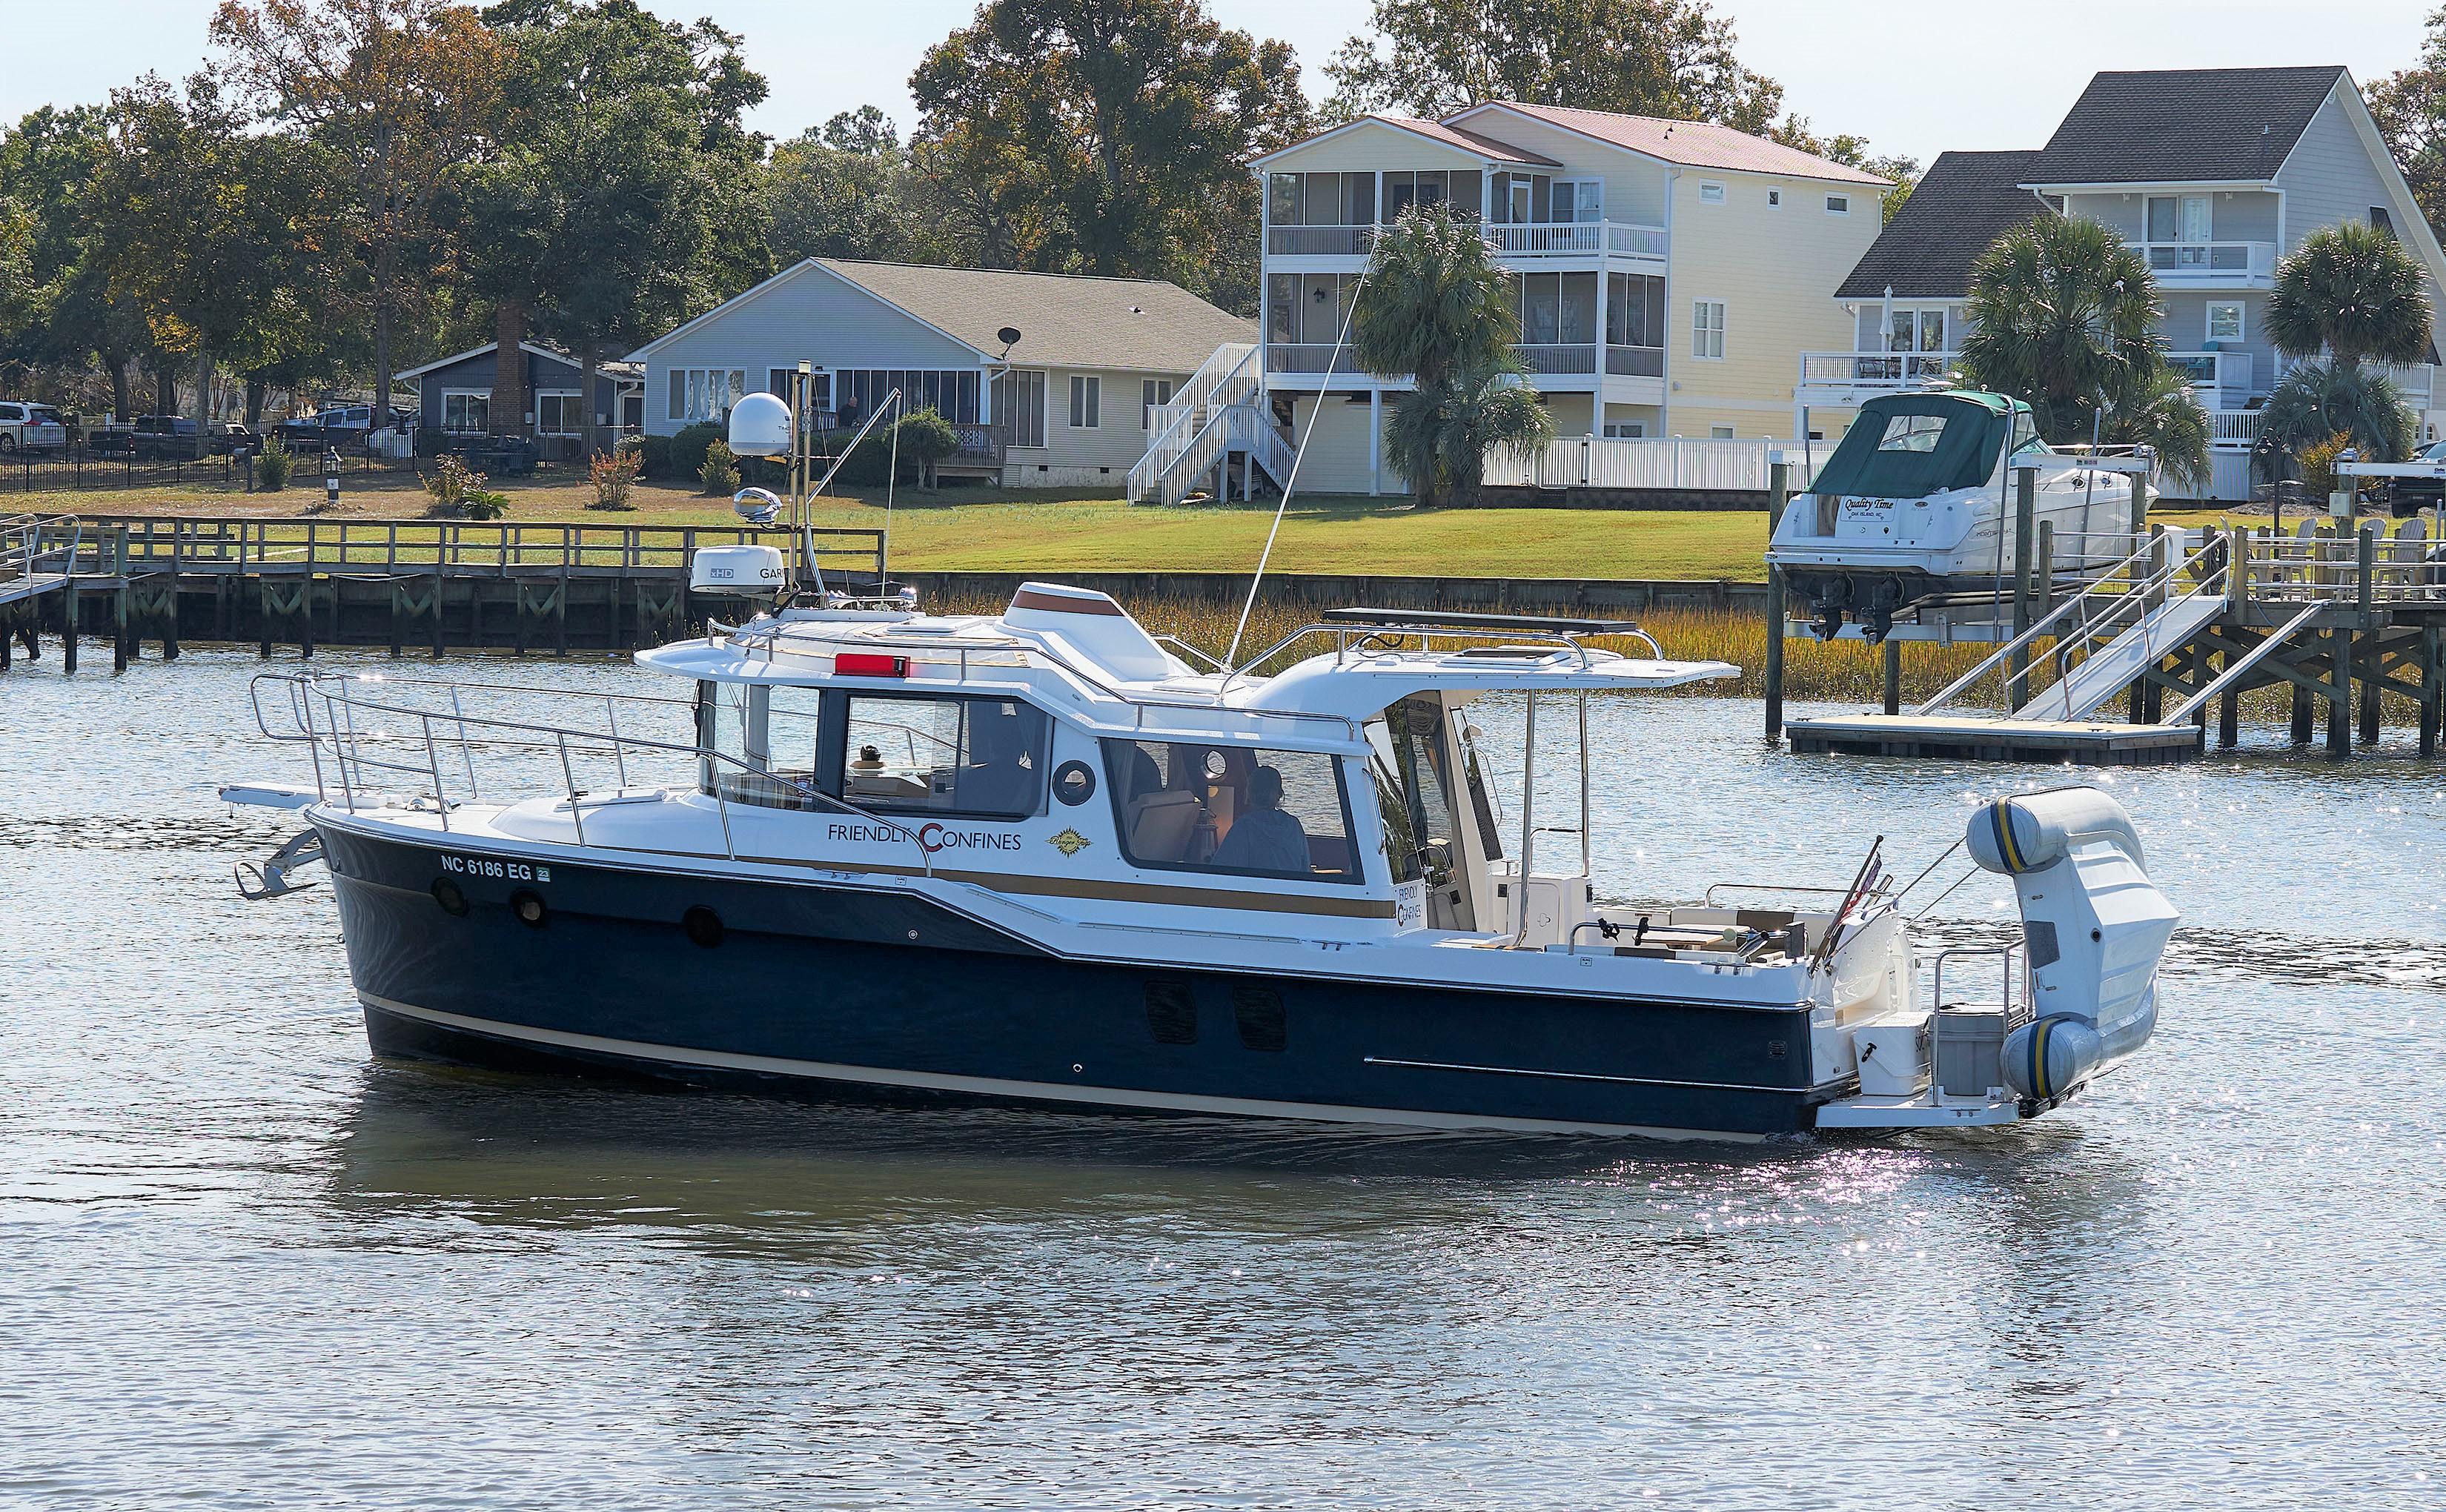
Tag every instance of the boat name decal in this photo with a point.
(933, 838)
(495, 866)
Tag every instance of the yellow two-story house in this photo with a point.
(1668, 273)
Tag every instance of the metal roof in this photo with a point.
(1691, 144)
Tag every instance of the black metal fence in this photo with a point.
(80, 465)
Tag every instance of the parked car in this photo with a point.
(170, 438)
(340, 426)
(31, 427)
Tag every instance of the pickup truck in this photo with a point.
(31, 429)
(170, 438)
(340, 426)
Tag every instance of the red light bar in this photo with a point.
(867, 663)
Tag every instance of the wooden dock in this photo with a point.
(2338, 614)
(427, 585)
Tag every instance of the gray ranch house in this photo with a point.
(2211, 174)
(454, 397)
(1065, 404)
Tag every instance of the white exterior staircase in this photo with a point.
(1220, 411)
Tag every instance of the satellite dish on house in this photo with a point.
(1009, 336)
(760, 426)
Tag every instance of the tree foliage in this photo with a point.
(397, 93)
(1110, 137)
(2321, 399)
(2162, 413)
(2350, 289)
(2063, 314)
(850, 189)
(1642, 57)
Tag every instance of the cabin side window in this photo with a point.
(759, 742)
(1226, 809)
(979, 757)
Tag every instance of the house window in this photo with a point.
(705, 393)
(951, 392)
(1711, 194)
(2225, 321)
(1019, 405)
(1719, 433)
(559, 414)
(2381, 220)
(1917, 330)
(2177, 218)
(1707, 327)
(1086, 402)
(1152, 392)
(1838, 204)
(1431, 186)
(1579, 199)
(1774, 199)
(1625, 429)
(466, 414)
(1635, 311)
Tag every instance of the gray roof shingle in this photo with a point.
(1136, 324)
(1963, 203)
(2173, 125)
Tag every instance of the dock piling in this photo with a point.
(1778, 491)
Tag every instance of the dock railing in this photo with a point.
(459, 548)
(437, 745)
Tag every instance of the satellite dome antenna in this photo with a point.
(1009, 336)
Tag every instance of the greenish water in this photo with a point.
(243, 1264)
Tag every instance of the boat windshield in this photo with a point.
(1912, 446)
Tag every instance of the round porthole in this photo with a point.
(529, 907)
(1216, 764)
(448, 894)
(703, 926)
(1073, 782)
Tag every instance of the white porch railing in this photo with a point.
(1577, 238)
(1559, 357)
(1663, 462)
(1321, 242)
(1635, 362)
(2233, 427)
(2222, 263)
(1875, 371)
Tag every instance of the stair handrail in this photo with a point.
(2031, 634)
(2062, 653)
(1168, 446)
(2242, 665)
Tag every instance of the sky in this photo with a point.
(1913, 76)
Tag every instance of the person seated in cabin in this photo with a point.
(1264, 839)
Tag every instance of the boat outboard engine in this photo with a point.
(2093, 926)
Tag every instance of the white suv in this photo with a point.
(31, 427)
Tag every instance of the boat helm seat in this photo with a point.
(1161, 823)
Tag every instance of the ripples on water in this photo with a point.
(241, 1263)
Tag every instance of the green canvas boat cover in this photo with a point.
(1911, 445)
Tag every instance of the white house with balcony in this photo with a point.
(1668, 273)
(2211, 174)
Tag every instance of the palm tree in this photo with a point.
(2060, 313)
(1446, 433)
(2161, 412)
(2320, 398)
(2352, 291)
(1436, 308)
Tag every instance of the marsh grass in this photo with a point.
(1842, 671)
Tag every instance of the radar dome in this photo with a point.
(760, 426)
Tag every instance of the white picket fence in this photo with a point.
(1660, 462)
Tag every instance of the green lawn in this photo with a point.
(1002, 530)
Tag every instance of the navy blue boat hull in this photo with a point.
(820, 990)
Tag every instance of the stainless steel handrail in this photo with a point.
(348, 746)
(1707, 898)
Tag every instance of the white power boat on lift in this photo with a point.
(1043, 857)
(1915, 506)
